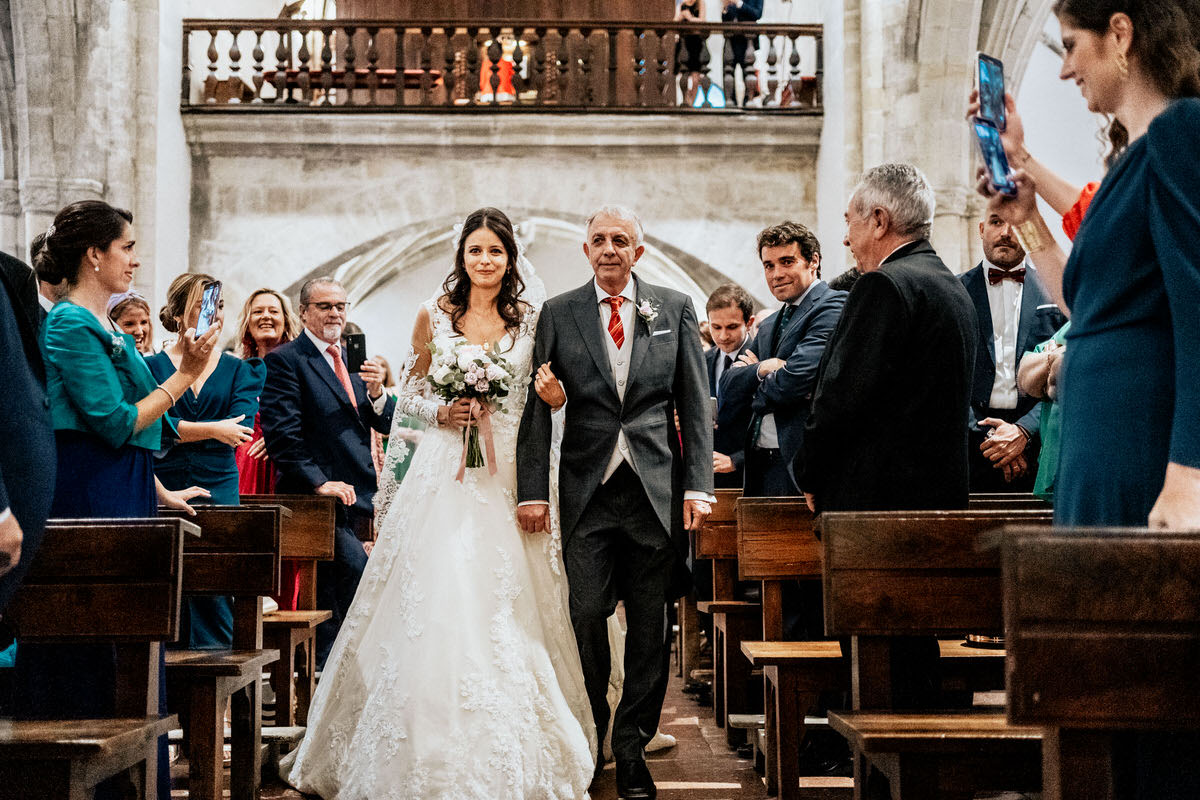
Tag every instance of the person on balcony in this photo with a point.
(741, 11)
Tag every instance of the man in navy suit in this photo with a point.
(1015, 314)
(778, 375)
(28, 462)
(317, 420)
(730, 315)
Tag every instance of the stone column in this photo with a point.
(10, 220)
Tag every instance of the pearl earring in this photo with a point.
(97, 268)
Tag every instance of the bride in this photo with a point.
(456, 673)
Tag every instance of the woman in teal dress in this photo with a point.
(107, 412)
(212, 418)
(1130, 393)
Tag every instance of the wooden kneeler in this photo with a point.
(98, 581)
(306, 538)
(236, 555)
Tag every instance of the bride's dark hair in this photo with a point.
(457, 287)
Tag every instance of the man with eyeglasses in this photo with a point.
(317, 420)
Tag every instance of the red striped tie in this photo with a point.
(615, 329)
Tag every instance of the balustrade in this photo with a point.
(537, 65)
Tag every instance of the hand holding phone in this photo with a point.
(990, 78)
(998, 171)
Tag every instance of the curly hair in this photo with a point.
(457, 287)
(1166, 43)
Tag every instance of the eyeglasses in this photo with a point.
(325, 308)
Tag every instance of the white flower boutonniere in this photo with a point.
(648, 311)
(116, 346)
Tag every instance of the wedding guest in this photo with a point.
(1131, 287)
(740, 46)
(316, 419)
(107, 411)
(778, 374)
(730, 312)
(845, 282)
(27, 462)
(692, 61)
(266, 322)
(1014, 313)
(1038, 377)
(130, 312)
(211, 421)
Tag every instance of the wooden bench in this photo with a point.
(922, 573)
(237, 555)
(1104, 637)
(98, 581)
(306, 538)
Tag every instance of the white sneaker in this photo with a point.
(661, 741)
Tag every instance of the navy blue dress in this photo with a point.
(1131, 387)
(231, 389)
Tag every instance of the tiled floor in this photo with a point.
(700, 767)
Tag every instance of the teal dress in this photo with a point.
(94, 379)
(1131, 380)
(231, 390)
(1050, 429)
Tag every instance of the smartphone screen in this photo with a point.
(991, 91)
(993, 157)
(209, 303)
(356, 351)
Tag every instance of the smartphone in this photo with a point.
(990, 71)
(994, 159)
(356, 351)
(210, 301)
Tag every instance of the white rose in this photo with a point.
(496, 373)
(442, 373)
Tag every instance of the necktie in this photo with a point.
(339, 369)
(785, 316)
(996, 275)
(726, 363)
(615, 329)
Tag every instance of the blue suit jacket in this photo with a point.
(1040, 319)
(28, 460)
(733, 420)
(312, 431)
(787, 392)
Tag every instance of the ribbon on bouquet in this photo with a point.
(485, 433)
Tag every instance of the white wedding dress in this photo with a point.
(456, 673)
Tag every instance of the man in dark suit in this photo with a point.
(1015, 315)
(888, 423)
(631, 484)
(317, 420)
(779, 373)
(28, 460)
(730, 312)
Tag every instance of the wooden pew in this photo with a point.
(237, 555)
(1104, 632)
(923, 573)
(98, 581)
(733, 620)
(776, 545)
(306, 538)
(1005, 500)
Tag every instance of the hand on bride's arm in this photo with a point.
(548, 387)
(534, 517)
(456, 414)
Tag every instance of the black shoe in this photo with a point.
(634, 781)
(600, 762)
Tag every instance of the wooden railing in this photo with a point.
(535, 65)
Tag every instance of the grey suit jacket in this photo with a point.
(666, 374)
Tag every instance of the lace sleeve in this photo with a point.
(413, 400)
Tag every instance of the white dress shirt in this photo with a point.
(768, 434)
(378, 403)
(45, 302)
(1004, 300)
(618, 361)
(719, 369)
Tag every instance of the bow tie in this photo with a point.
(996, 275)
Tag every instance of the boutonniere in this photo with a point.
(116, 346)
(648, 311)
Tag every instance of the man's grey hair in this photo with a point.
(619, 212)
(904, 191)
(311, 283)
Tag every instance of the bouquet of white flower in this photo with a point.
(476, 372)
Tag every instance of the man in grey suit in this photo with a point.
(630, 482)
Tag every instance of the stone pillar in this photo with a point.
(10, 220)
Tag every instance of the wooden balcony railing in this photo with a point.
(536, 65)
